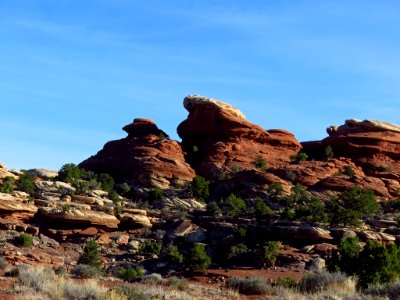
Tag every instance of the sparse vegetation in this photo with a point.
(328, 152)
(197, 258)
(174, 255)
(200, 188)
(7, 186)
(156, 193)
(26, 182)
(249, 286)
(24, 240)
(129, 274)
(260, 163)
(351, 206)
(301, 156)
(349, 171)
(85, 271)
(90, 255)
(150, 247)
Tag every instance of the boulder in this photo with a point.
(218, 138)
(12, 204)
(146, 157)
(79, 217)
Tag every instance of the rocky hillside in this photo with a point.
(230, 186)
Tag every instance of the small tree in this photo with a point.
(90, 255)
(197, 259)
(26, 182)
(174, 255)
(200, 188)
(260, 163)
(328, 152)
(7, 186)
(69, 172)
(351, 206)
(262, 210)
(234, 205)
(106, 181)
(156, 193)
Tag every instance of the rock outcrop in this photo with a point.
(374, 146)
(146, 157)
(217, 138)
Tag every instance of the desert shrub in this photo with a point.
(3, 263)
(156, 193)
(150, 247)
(351, 206)
(131, 292)
(66, 207)
(328, 152)
(233, 205)
(200, 188)
(214, 208)
(260, 163)
(174, 255)
(235, 169)
(268, 253)
(35, 277)
(124, 188)
(288, 283)
(291, 176)
(275, 191)
(129, 274)
(349, 171)
(299, 157)
(345, 257)
(24, 240)
(117, 209)
(249, 286)
(390, 290)
(325, 281)
(378, 264)
(262, 210)
(85, 271)
(197, 258)
(26, 182)
(106, 181)
(7, 186)
(90, 255)
(375, 263)
(312, 210)
(113, 195)
(236, 252)
(81, 187)
(69, 173)
(89, 290)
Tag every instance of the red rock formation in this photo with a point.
(217, 137)
(372, 145)
(146, 156)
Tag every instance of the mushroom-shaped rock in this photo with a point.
(146, 157)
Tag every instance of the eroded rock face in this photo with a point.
(79, 217)
(5, 173)
(146, 157)
(217, 136)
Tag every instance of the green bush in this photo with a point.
(129, 274)
(260, 163)
(150, 247)
(26, 182)
(85, 271)
(275, 190)
(174, 255)
(113, 195)
(156, 193)
(233, 205)
(69, 173)
(213, 208)
(288, 283)
(313, 210)
(375, 263)
(268, 253)
(351, 206)
(349, 171)
(90, 255)
(66, 207)
(200, 188)
(328, 152)
(7, 186)
(262, 210)
(81, 187)
(197, 258)
(106, 181)
(237, 252)
(24, 240)
(299, 157)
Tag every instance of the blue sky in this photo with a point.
(73, 73)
